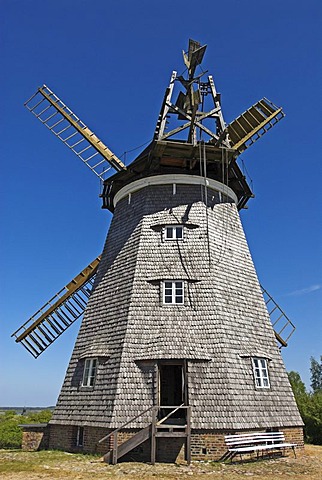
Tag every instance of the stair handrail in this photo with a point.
(169, 414)
(125, 424)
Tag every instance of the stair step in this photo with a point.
(171, 434)
(152, 431)
(129, 444)
(166, 425)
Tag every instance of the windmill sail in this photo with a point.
(283, 327)
(252, 124)
(66, 125)
(58, 314)
(177, 319)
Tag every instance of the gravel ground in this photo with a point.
(45, 465)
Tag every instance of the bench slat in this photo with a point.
(251, 435)
(262, 447)
(240, 440)
(256, 442)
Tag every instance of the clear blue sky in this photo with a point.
(110, 62)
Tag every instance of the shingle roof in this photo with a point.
(223, 323)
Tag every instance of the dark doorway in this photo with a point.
(172, 389)
(171, 385)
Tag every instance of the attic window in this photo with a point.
(260, 372)
(173, 292)
(89, 375)
(173, 232)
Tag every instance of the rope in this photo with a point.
(206, 202)
(245, 171)
(135, 148)
(200, 167)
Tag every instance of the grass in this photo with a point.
(16, 461)
(56, 465)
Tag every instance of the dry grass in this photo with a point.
(54, 465)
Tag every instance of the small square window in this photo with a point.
(89, 375)
(173, 292)
(260, 372)
(173, 232)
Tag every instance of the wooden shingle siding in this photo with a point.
(222, 324)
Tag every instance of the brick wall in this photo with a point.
(294, 435)
(64, 437)
(35, 438)
(205, 445)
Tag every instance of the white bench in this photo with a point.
(256, 442)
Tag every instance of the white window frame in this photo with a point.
(174, 229)
(260, 370)
(90, 369)
(173, 292)
(80, 437)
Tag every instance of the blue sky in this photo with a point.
(110, 62)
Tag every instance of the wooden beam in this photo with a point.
(88, 135)
(71, 287)
(255, 130)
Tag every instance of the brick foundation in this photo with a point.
(35, 437)
(294, 435)
(205, 445)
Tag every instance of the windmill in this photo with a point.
(174, 311)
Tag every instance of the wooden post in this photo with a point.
(188, 440)
(114, 453)
(153, 437)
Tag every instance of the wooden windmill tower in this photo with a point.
(176, 346)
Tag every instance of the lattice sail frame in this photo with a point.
(67, 126)
(58, 314)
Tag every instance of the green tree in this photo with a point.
(310, 407)
(316, 375)
(313, 419)
(7, 415)
(297, 385)
(39, 417)
(10, 433)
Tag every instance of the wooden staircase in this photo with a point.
(117, 452)
(166, 427)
